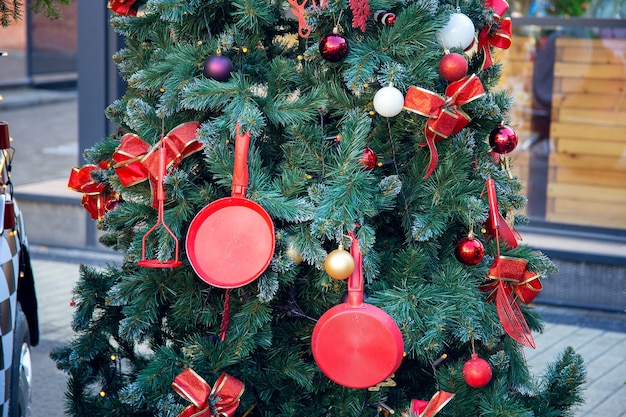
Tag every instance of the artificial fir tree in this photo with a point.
(374, 160)
(11, 10)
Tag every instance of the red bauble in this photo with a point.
(333, 47)
(477, 372)
(369, 159)
(453, 67)
(218, 67)
(469, 251)
(503, 139)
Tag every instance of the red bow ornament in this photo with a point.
(136, 161)
(513, 272)
(445, 116)
(422, 408)
(511, 280)
(97, 198)
(123, 7)
(500, 37)
(220, 401)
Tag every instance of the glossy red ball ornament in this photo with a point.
(453, 67)
(503, 139)
(369, 159)
(469, 251)
(333, 47)
(477, 372)
(218, 67)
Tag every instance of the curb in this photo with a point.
(15, 98)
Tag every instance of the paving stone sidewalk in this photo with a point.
(604, 351)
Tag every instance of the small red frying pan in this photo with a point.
(230, 242)
(495, 225)
(356, 344)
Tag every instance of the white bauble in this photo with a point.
(388, 101)
(459, 32)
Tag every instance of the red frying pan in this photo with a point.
(230, 242)
(355, 344)
(495, 225)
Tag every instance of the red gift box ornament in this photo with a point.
(445, 116)
(136, 161)
(422, 408)
(500, 37)
(220, 401)
(97, 198)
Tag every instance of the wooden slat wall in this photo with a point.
(516, 77)
(587, 178)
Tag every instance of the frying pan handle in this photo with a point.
(493, 204)
(355, 281)
(240, 173)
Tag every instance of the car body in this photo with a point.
(19, 324)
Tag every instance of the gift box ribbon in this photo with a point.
(445, 117)
(500, 37)
(422, 408)
(97, 198)
(220, 401)
(136, 161)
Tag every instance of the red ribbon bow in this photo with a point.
(422, 408)
(445, 116)
(511, 277)
(499, 37)
(135, 161)
(123, 7)
(221, 401)
(97, 198)
(514, 274)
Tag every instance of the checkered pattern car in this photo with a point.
(19, 326)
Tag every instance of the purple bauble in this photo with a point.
(503, 139)
(218, 67)
(333, 47)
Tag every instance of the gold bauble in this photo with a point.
(339, 264)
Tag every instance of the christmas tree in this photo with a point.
(11, 10)
(311, 201)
